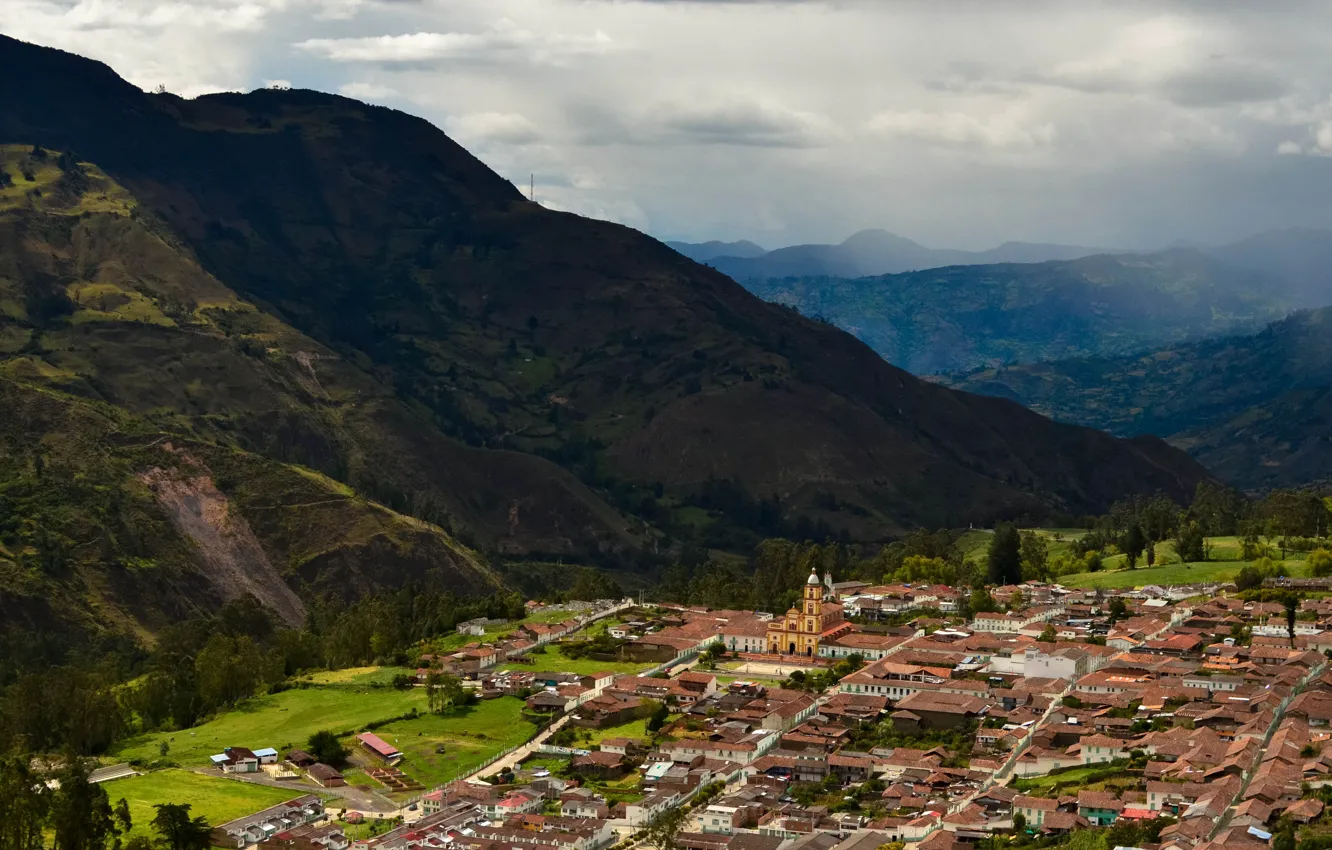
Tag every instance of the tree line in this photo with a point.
(771, 578)
(209, 664)
(57, 800)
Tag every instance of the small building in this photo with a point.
(236, 760)
(377, 746)
(325, 776)
(267, 755)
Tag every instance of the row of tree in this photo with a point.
(210, 664)
(77, 815)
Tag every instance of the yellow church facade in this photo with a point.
(798, 632)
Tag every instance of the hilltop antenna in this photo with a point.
(531, 188)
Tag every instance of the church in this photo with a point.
(818, 616)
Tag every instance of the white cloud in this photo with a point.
(371, 92)
(486, 127)
(802, 121)
(502, 42)
(963, 130)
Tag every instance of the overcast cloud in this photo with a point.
(958, 124)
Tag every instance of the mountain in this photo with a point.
(702, 252)
(240, 311)
(878, 252)
(1301, 258)
(1256, 410)
(961, 317)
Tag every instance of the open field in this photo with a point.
(355, 676)
(1068, 781)
(1168, 574)
(455, 641)
(555, 661)
(1223, 565)
(278, 720)
(633, 729)
(216, 799)
(468, 737)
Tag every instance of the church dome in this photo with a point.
(813, 579)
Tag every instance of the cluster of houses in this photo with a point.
(1201, 706)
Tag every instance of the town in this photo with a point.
(1182, 718)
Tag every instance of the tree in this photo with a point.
(1118, 610)
(176, 830)
(1017, 601)
(658, 717)
(1291, 602)
(1249, 578)
(1320, 563)
(1284, 839)
(982, 602)
(82, 816)
(663, 829)
(26, 803)
(1134, 542)
(1190, 542)
(1048, 635)
(1005, 560)
(1035, 556)
(325, 747)
(1019, 822)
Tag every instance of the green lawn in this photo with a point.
(278, 720)
(356, 676)
(1068, 781)
(633, 729)
(217, 799)
(1176, 573)
(455, 641)
(469, 737)
(554, 660)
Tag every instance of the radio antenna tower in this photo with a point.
(531, 188)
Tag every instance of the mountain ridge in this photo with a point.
(336, 287)
(955, 318)
(876, 252)
(1253, 408)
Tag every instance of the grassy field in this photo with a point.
(1092, 777)
(1115, 576)
(468, 737)
(554, 660)
(279, 720)
(217, 799)
(633, 729)
(1224, 563)
(453, 642)
(364, 676)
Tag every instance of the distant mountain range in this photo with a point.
(957, 318)
(703, 252)
(1256, 410)
(290, 345)
(869, 252)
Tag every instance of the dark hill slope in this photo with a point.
(960, 317)
(504, 324)
(1256, 409)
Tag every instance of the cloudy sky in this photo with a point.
(958, 124)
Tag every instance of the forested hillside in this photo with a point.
(1254, 409)
(962, 317)
(350, 355)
